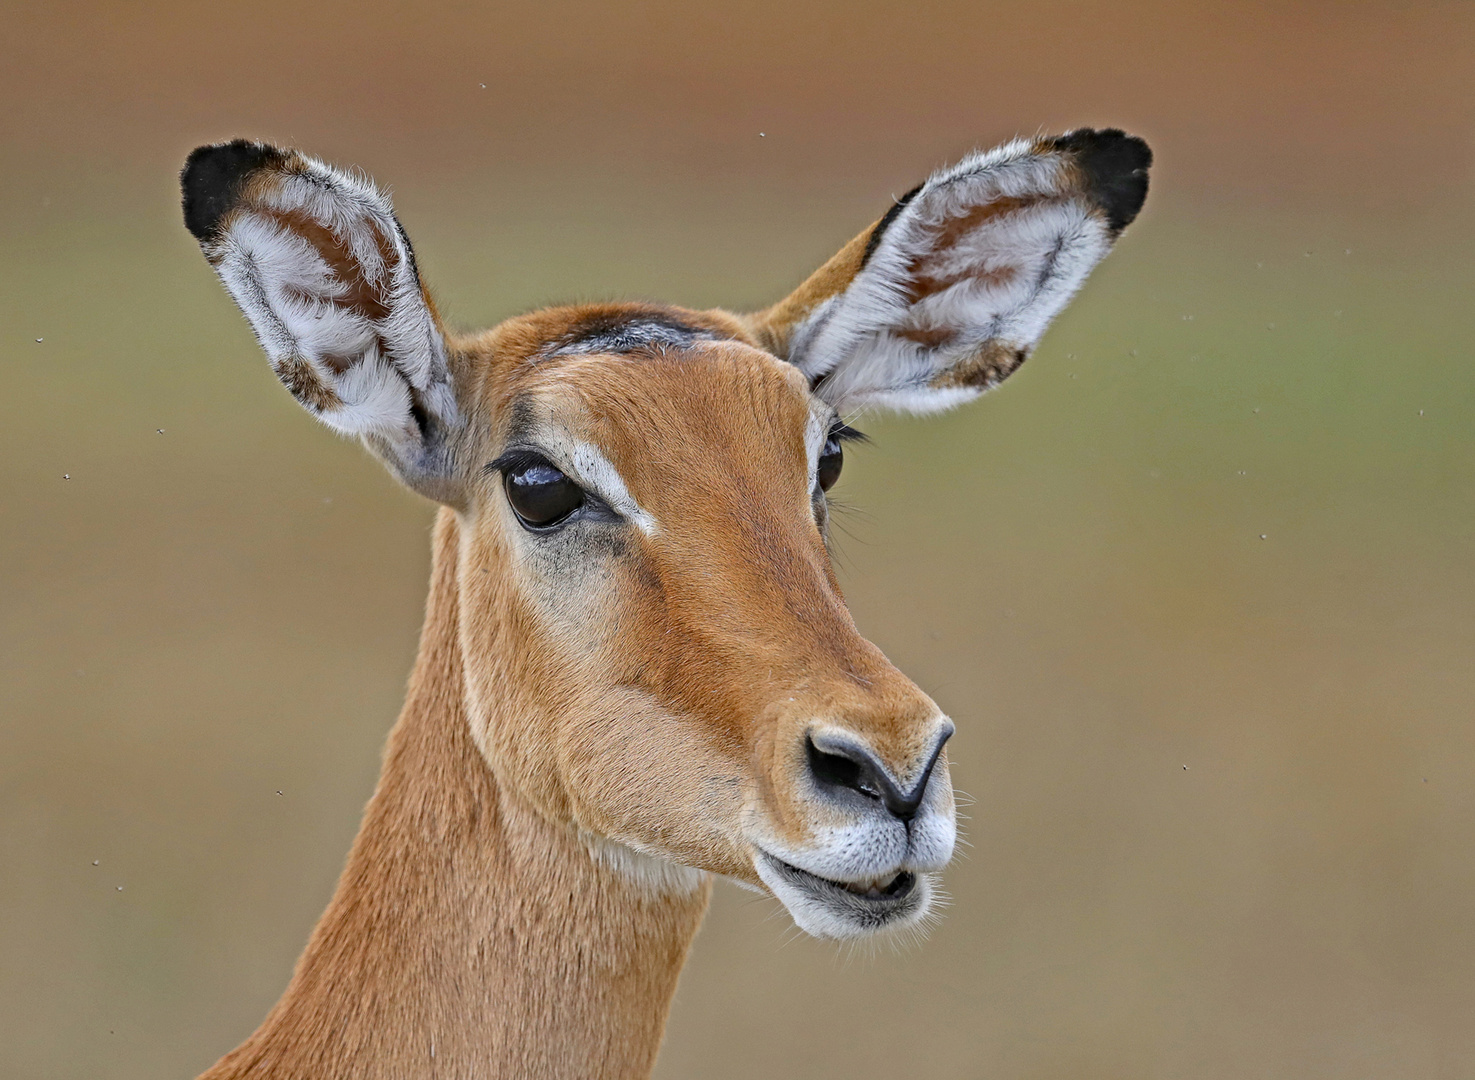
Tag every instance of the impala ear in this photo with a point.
(946, 295)
(325, 275)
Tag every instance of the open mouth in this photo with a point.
(895, 887)
(844, 908)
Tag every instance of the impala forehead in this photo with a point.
(638, 429)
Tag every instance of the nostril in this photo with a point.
(839, 765)
(842, 771)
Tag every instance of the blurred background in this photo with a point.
(1196, 584)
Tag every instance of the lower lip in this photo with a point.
(895, 894)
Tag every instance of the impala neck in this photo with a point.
(469, 936)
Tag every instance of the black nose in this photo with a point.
(842, 765)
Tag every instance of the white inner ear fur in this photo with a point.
(995, 286)
(301, 311)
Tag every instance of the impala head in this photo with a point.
(656, 651)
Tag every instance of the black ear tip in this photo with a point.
(1115, 166)
(212, 181)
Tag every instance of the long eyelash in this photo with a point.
(525, 457)
(839, 512)
(843, 432)
(517, 459)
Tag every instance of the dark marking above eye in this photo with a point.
(623, 332)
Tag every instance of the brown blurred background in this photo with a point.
(1196, 584)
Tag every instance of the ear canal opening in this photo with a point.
(421, 417)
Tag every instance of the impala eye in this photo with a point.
(831, 459)
(540, 495)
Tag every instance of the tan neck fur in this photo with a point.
(470, 937)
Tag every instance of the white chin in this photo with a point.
(832, 909)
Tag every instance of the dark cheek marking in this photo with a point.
(579, 551)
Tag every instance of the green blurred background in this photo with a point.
(1196, 584)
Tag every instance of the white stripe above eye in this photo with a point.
(594, 471)
(816, 430)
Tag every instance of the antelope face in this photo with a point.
(688, 680)
(656, 650)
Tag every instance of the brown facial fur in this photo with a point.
(724, 634)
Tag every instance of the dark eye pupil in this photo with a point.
(541, 495)
(831, 458)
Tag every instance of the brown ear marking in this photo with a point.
(363, 296)
(298, 377)
(214, 177)
(994, 362)
(1113, 167)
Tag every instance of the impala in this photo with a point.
(636, 671)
